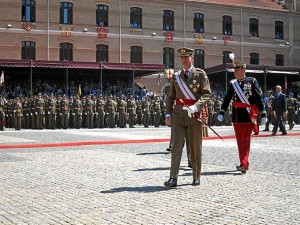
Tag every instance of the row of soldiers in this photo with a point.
(62, 112)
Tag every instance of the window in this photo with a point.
(278, 30)
(28, 11)
(253, 27)
(168, 20)
(136, 18)
(254, 58)
(66, 52)
(102, 53)
(168, 58)
(102, 16)
(136, 54)
(28, 50)
(227, 25)
(199, 58)
(279, 60)
(66, 13)
(226, 58)
(198, 23)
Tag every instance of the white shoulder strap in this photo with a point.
(184, 88)
(240, 93)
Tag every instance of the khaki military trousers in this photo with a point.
(192, 134)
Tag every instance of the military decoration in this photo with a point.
(247, 89)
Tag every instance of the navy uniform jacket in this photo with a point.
(251, 89)
(280, 103)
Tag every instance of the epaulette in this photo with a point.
(200, 70)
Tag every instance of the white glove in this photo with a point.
(264, 120)
(190, 110)
(220, 117)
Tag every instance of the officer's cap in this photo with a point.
(270, 91)
(235, 63)
(183, 52)
(291, 94)
(239, 65)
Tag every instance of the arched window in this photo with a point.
(278, 30)
(199, 58)
(253, 27)
(102, 16)
(136, 18)
(226, 58)
(28, 11)
(102, 53)
(66, 52)
(227, 25)
(168, 57)
(254, 58)
(66, 13)
(28, 50)
(168, 20)
(199, 23)
(279, 60)
(136, 54)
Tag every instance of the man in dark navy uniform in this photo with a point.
(247, 103)
(279, 107)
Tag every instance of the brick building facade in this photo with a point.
(129, 31)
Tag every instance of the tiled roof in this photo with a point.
(263, 4)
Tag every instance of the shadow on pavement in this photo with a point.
(152, 169)
(154, 153)
(145, 189)
(228, 172)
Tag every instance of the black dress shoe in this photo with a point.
(273, 134)
(284, 133)
(172, 182)
(266, 130)
(196, 182)
(242, 169)
(169, 149)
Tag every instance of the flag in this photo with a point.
(158, 79)
(2, 78)
(79, 90)
(285, 83)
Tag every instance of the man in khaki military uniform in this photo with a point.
(17, 106)
(2, 113)
(189, 90)
(292, 110)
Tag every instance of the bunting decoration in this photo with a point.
(66, 30)
(27, 26)
(226, 39)
(102, 32)
(199, 38)
(169, 36)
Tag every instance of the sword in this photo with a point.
(202, 121)
(197, 115)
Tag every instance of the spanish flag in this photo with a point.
(79, 90)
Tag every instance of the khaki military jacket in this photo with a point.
(198, 84)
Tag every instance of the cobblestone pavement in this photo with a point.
(123, 183)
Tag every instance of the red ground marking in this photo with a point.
(116, 142)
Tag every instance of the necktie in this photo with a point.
(186, 74)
